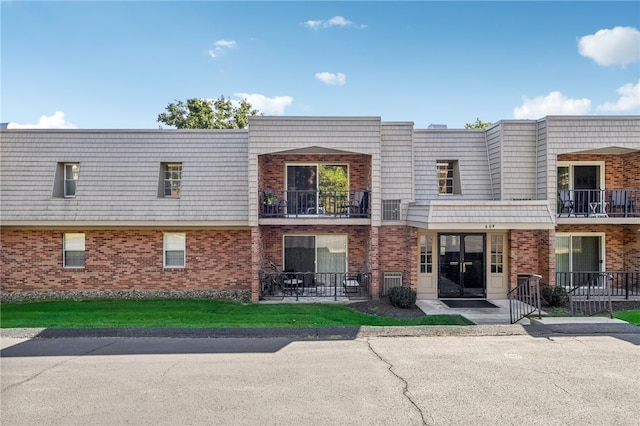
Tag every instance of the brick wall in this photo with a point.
(530, 253)
(631, 238)
(272, 168)
(621, 171)
(357, 242)
(622, 244)
(396, 250)
(125, 260)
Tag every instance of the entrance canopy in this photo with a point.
(485, 215)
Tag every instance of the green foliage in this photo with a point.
(333, 178)
(478, 124)
(196, 313)
(555, 296)
(207, 114)
(402, 297)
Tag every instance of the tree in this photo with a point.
(478, 124)
(207, 114)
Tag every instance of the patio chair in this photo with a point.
(619, 202)
(359, 204)
(566, 203)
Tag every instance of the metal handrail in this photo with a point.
(524, 299)
(599, 203)
(278, 285)
(312, 203)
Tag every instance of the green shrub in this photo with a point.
(402, 297)
(555, 296)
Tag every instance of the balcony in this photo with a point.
(597, 203)
(314, 204)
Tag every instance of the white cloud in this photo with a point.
(332, 79)
(555, 103)
(629, 99)
(336, 21)
(265, 105)
(221, 46)
(618, 46)
(55, 121)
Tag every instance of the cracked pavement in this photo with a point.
(438, 380)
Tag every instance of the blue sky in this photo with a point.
(118, 64)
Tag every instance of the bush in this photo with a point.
(402, 297)
(555, 296)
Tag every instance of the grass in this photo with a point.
(631, 316)
(196, 313)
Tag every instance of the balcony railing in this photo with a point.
(622, 283)
(330, 285)
(303, 203)
(599, 203)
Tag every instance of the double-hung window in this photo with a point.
(448, 177)
(71, 172)
(172, 179)
(73, 250)
(174, 250)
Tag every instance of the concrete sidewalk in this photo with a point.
(548, 326)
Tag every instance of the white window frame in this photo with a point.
(71, 243)
(572, 164)
(315, 239)
(170, 244)
(454, 167)
(74, 178)
(425, 254)
(600, 235)
(496, 257)
(167, 179)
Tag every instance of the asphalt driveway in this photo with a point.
(546, 379)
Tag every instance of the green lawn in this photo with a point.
(196, 313)
(632, 316)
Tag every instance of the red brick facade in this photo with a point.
(125, 260)
(621, 171)
(273, 168)
(530, 252)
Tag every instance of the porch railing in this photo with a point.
(599, 203)
(524, 299)
(621, 283)
(303, 203)
(332, 285)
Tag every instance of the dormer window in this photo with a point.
(171, 180)
(448, 177)
(65, 181)
(71, 171)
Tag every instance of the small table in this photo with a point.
(293, 284)
(598, 208)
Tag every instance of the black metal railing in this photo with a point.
(524, 299)
(599, 203)
(622, 283)
(330, 285)
(303, 203)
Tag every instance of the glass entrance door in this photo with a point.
(461, 265)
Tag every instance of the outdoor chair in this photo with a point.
(359, 204)
(619, 202)
(566, 203)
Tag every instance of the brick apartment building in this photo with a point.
(322, 206)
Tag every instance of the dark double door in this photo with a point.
(461, 265)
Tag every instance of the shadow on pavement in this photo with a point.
(132, 341)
